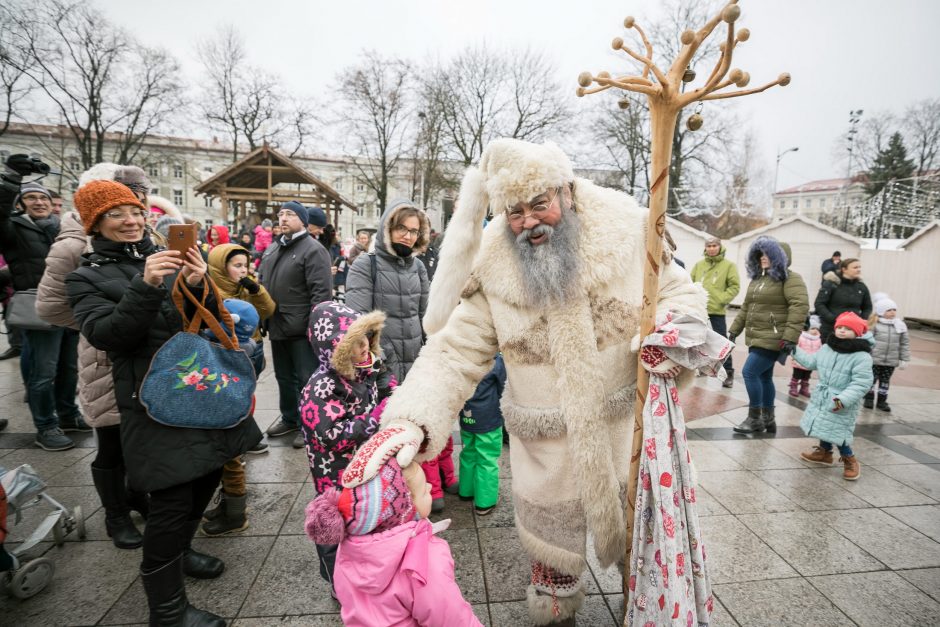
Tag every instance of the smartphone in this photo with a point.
(182, 238)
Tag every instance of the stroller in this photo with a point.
(21, 489)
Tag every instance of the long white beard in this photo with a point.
(550, 271)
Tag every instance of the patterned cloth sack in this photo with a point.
(668, 578)
(194, 382)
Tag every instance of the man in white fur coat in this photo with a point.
(555, 283)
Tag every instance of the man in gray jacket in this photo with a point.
(295, 269)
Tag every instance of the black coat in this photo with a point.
(24, 244)
(298, 276)
(838, 295)
(129, 319)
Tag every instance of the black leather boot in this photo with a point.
(869, 402)
(729, 382)
(883, 403)
(754, 423)
(770, 421)
(166, 597)
(109, 482)
(196, 564)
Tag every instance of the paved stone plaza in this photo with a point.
(788, 544)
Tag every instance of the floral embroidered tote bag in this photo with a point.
(194, 382)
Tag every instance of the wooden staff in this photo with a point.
(666, 101)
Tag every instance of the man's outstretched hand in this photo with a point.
(400, 438)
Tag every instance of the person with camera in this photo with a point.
(28, 227)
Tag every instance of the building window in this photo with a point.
(155, 191)
(807, 203)
(75, 165)
(178, 197)
(208, 201)
(177, 171)
(153, 170)
(796, 204)
(783, 204)
(360, 187)
(822, 203)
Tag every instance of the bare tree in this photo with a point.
(247, 103)
(483, 93)
(15, 60)
(620, 123)
(921, 126)
(376, 113)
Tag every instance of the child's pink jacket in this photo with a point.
(263, 239)
(400, 577)
(809, 344)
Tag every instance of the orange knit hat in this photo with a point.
(96, 198)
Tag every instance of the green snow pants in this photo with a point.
(479, 466)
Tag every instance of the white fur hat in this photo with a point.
(510, 171)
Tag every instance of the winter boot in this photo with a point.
(794, 385)
(804, 388)
(883, 403)
(754, 422)
(196, 564)
(729, 382)
(109, 482)
(218, 510)
(851, 468)
(770, 421)
(818, 455)
(232, 518)
(869, 402)
(166, 597)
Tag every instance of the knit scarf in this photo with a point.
(899, 325)
(853, 345)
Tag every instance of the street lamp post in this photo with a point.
(855, 116)
(777, 168)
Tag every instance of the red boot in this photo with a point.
(804, 388)
(793, 386)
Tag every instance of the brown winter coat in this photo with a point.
(96, 384)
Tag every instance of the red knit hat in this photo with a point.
(96, 198)
(852, 321)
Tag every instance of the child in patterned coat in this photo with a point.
(341, 404)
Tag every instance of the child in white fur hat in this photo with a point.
(892, 349)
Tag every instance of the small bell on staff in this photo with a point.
(624, 103)
(694, 122)
(689, 75)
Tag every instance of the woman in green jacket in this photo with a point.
(719, 277)
(772, 315)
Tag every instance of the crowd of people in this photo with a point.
(376, 360)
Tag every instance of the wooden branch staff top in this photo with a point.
(666, 101)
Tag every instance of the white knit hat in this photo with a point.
(885, 305)
(510, 171)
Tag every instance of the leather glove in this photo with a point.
(400, 438)
(787, 346)
(655, 362)
(732, 337)
(248, 284)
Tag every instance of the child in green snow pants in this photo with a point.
(481, 430)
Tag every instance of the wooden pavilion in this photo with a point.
(265, 178)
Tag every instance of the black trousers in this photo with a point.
(294, 362)
(166, 533)
(720, 326)
(327, 556)
(110, 453)
(801, 375)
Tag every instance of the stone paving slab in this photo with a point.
(788, 543)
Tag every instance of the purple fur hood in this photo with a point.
(777, 252)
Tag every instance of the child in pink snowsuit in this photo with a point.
(810, 342)
(390, 567)
(441, 476)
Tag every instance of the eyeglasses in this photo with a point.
(517, 215)
(121, 216)
(401, 230)
(286, 213)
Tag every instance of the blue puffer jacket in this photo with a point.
(843, 375)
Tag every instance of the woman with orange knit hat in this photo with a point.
(121, 299)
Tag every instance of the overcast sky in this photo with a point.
(842, 54)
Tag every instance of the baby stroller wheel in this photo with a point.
(79, 522)
(32, 578)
